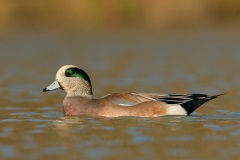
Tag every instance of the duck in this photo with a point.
(80, 100)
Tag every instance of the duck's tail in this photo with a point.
(196, 101)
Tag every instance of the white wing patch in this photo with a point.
(127, 105)
(176, 109)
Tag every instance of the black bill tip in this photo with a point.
(45, 90)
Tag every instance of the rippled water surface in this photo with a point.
(32, 125)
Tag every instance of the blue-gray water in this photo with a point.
(32, 125)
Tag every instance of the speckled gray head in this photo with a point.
(73, 80)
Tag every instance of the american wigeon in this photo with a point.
(80, 100)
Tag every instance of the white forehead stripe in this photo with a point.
(61, 71)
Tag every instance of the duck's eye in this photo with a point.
(67, 74)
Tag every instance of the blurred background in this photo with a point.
(117, 14)
(162, 46)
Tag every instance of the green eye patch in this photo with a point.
(76, 72)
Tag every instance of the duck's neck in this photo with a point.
(83, 92)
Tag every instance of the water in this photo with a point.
(32, 125)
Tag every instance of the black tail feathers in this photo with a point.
(196, 101)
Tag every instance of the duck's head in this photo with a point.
(73, 80)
